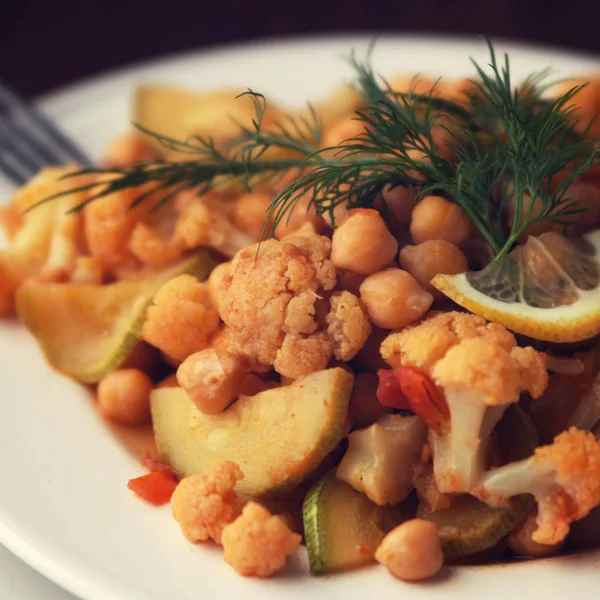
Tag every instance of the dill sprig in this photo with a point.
(506, 145)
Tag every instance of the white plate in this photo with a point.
(64, 506)
(20, 582)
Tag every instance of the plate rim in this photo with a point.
(58, 95)
(57, 101)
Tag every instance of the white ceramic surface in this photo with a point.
(64, 506)
(20, 582)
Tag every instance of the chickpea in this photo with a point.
(394, 299)
(214, 283)
(520, 540)
(458, 90)
(399, 202)
(402, 84)
(303, 212)
(587, 101)
(444, 140)
(363, 244)
(124, 396)
(435, 218)
(364, 407)
(424, 261)
(212, 378)
(584, 196)
(412, 551)
(306, 230)
(341, 214)
(250, 213)
(342, 130)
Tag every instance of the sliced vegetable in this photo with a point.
(381, 458)
(422, 396)
(86, 331)
(342, 527)
(156, 487)
(469, 526)
(547, 288)
(389, 392)
(181, 114)
(278, 437)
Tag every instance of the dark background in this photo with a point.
(45, 44)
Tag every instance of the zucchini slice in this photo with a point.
(469, 526)
(86, 331)
(278, 437)
(342, 527)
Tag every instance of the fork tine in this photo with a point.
(9, 169)
(11, 101)
(14, 149)
(14, 134)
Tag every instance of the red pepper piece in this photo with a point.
(156, 488)
(422, 396)
(389, 392)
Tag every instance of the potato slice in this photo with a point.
(278, 437)
(181, 114)
(86, 331)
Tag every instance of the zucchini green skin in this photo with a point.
(305, 425)
(342, 527)
(312, 535)
(467, 541)
(36, 307)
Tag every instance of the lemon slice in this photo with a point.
(86, 331)
(547, 289)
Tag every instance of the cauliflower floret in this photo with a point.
(480, 380)
(258, 543)
(11, 220)
(8, 287)
(300, 355)
(422, 345)
(206, 503)
(47, 243)
(179, 322)
(347, 325)
(250, 214)
(203, 225)
(478, 371)
(87, 270)
(564, 478)
(275, 305)
(152, 248)
(109, 223)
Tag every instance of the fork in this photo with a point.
(30, 141)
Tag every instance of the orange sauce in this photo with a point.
(138, 439)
